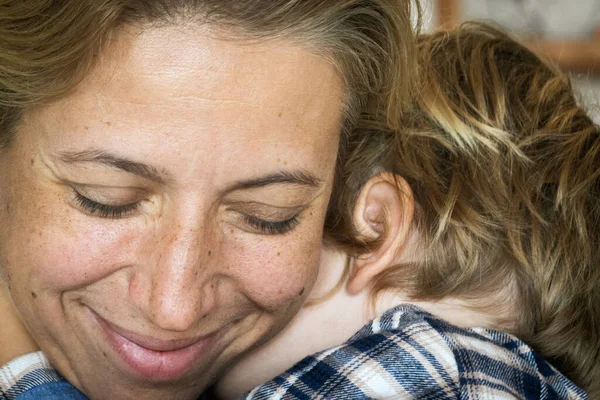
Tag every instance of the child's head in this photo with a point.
(504, 170)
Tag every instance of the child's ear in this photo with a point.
(384, 211)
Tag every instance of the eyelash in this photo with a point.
(272, 228)
(104, 210)
(115, 212)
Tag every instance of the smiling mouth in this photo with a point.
(154, 359)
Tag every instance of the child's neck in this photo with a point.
(327, 324)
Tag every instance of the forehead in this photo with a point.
(198, 62)
(183, 91)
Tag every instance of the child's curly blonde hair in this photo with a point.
(505, 170)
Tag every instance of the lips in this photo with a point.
(151, 358)
(154, 344)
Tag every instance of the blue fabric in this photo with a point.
(53, 391)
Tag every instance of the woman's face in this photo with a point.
(167, 215)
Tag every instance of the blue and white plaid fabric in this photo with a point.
(407, 353)
(26, 375)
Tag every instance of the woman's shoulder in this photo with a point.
(409, 353)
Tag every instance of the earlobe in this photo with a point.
(384, 212)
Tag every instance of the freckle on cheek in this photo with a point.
(34, 295)
(301, 292)
(278, 254)
(209, 252)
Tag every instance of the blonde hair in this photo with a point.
(48, 47)
(505, 170)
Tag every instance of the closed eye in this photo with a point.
(272, 227)
(104, 210)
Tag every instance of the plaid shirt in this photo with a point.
(31, 377)
(406, 353)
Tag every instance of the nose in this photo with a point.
(178, 282)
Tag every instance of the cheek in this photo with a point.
(71, 258)
(274, 273)
(277, 272)
(52, 247)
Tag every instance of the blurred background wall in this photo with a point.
(567, 31)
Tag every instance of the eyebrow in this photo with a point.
(295, 177)
(115, 161)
